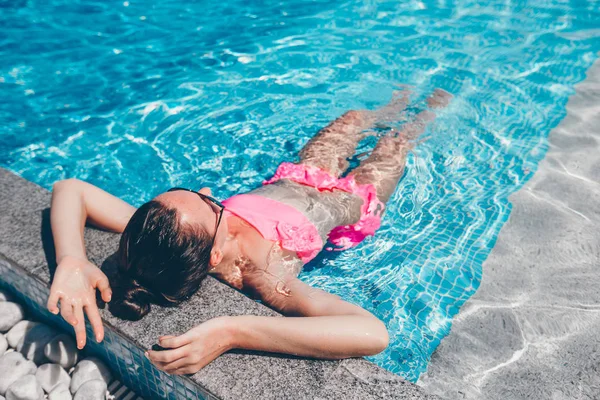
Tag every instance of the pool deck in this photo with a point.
(532, 329)
(26, 244)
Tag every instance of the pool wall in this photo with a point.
(531, 330)
(27, 258)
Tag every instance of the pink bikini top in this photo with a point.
(277, 222)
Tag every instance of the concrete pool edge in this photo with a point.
(530, 331)
(26, 245)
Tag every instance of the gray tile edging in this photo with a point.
(29, 290)
(26, 241)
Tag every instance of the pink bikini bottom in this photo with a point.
(371, 210)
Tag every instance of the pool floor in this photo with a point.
(531, 330)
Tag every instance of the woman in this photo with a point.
(256, 242)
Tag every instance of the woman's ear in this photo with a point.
(216, 256)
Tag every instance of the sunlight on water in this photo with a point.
(136, 97)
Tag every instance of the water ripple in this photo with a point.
(139, 96)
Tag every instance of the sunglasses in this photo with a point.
(214, 204)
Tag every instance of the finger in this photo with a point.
(80, 327)
(66, 310)
(167, 356)
(104, 288)
(176, 341)
(172, 367)
(165, 337)
(95, 320)
(159, 365)
(190, 369)
(52, 303)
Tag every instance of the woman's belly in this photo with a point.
(325, 210)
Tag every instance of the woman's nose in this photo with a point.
(205, 191)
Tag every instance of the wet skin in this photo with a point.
(329, 328)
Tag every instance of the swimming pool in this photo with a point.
(138, 97)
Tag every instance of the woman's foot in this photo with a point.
(411, 131)
(439, 99)
(393, 112)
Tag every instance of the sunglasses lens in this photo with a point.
(215, 207)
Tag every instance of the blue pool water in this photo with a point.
(136, 97)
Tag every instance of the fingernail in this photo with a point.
(98, 339)
(146, 354)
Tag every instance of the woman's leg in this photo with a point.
(330, 148)
(385, 166)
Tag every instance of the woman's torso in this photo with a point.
(325, 210)
(266, 258)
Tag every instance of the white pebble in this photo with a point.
(52, 375)
(35, 340)
(4, 296)
(3, 344)
(25, 388)
(12, 367)
(60, 392)
(10, 314)
(91, 390)
(17, 332)
(62, 350)
(87, 370)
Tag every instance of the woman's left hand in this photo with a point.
(192, 351)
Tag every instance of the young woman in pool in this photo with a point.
(256, 242)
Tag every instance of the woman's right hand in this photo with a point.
(74, 285)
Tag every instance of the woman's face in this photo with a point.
(195, 210)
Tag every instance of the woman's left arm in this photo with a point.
(330, 329)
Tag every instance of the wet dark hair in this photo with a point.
(161, 260)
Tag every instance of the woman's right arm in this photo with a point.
(75, 202)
